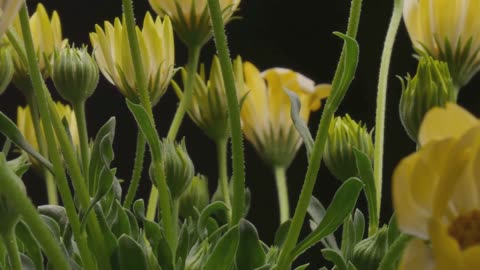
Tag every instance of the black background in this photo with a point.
(271, 33)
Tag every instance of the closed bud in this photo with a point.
(345, 135)
(432, 86)
(368, 253)
(195, 197)
(75, 74)
(178, 166)
(6, 68)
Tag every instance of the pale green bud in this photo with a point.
(368, 253)
(179, 169)
(432, 86)
(344, 135)
(195, 197)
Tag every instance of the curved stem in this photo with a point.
(233, 112)
(79, 109)
(12, 249)
(382, 97)
(282, 191)
(152, 203)
(317, 152)
(222, 170)
(137, 171)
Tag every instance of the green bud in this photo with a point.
(368, 253)
(195, 197)
(75, 74)
(432, 86)
(6, 68)
(178, 166)
(344, 134)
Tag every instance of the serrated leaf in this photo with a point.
(223, 255)
(335, 257)
(10, 130)
(250, 253)
(300, 125)
(341, 206)
(130, 254)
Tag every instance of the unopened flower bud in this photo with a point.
(368, 253)
(75, 74)
(344, 135)
(432, 86)
(6, 68)
(195, 197)
(178, 166)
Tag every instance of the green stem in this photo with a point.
(193, 59)
(42, 100)
(394, 252)
(79, 109)
(12, 191)
(382, 97)
(233, 112)
(137, 171)
(152, 203)
(222, 170)
(12, 249)
(317, 151)
(282, 191)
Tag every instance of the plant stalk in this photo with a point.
(222, 170)
(137, 170)
(282, 191)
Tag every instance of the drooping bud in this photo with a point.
(6, 68)
(179, 169)
(195, 197)
(75, 74)
(344, 135)
(368, 253)
(432, 86)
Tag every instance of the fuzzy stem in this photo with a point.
(137, 171)
(222, 170)
(79, 109)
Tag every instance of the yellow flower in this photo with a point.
(436, 193)
(191, 18)
(112, 52)
(8, 12)
(25, 124)
(47, 38)
(447, 30)
(265, 112)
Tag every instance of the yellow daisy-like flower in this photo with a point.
(8, 12)
(47, 38)
(447, 30)
(112, 53)
(191, 18)
(266, 110)
(436, 193)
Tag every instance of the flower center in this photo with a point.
(466, 229)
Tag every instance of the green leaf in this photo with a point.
(281, 233)
(206, 214)
(144, 123)
(130, 254)
(96, 162)
(139, 209)
(121, 224)
(10, 130)
(317, 212)
(335, 257)
(342, 205)
(348, 237)
(30, 245)
(223, 255)
(27, 263)
(303, 267)
(393, 230)
(183, 245)
(300, 125)
(394, 252)
(359, 224)
(365, 172)
(55, 212)
(250, 253)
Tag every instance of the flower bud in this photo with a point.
(6, 68)
(344, 134)
(178, 166)
(368, 253)
(75, 74)
(432, 86)
(195, 197)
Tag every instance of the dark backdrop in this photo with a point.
(272, 33)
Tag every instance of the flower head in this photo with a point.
(436, 192)
(112, 52)
(47, 38)
(191, 18)
(448, 31)
(8, 12)
(266, 110)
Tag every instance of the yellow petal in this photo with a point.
(445, 248)
(417, 256)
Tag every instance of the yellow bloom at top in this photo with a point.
(265, 113)
(191, 18)
(448, 30)
(112, 53)
(436, 193)
(8, 12)
(47, 37)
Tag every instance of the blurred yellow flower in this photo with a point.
(47, 38)
(436, 193)
(191, 18)
(112, 53)
(25, 124)
(8, 12)
(447, 30)
(265, 112)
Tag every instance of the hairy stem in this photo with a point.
(137, 171)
